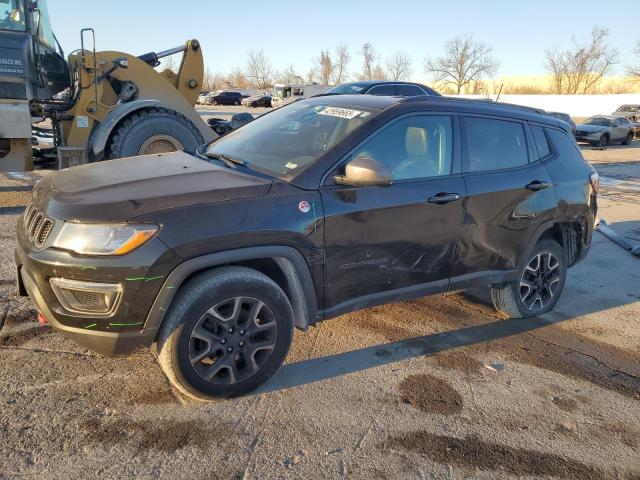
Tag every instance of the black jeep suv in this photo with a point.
(326, 206)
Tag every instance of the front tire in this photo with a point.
(603, 141)
(539, 286)
(151, 131)
(227, 332)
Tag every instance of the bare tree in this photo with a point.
(259, 69)
(465, 60)
(324, 67)
(236, 79)
(369, 58)
(399, 66)
(343, 57)
(288, 75)
(311, 76)
(379, 73)
(169, 63)
(633, 70)
(579, 68)
(211, 81)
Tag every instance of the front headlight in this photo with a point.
(92, 239)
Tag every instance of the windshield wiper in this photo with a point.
(230, 162)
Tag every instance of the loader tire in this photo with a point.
(151, 131)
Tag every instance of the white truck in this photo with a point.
(284, 94)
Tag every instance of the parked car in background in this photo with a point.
(226, 97)
(632, 112)
(604, 129)
(565, 117)
(377, 87)
(257, 101)
(202, 98)
(326, 206)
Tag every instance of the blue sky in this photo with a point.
(295, 32)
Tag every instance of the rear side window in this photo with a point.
(408, 90)
(382, 90)
(542, 146)
(494, 144)
(565, 147)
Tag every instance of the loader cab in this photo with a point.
(32, 64)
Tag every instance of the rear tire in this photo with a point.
(629, 139)
(237, 102)
(227, 332)
(539, 285)
(153, 130)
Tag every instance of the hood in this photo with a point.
(583, 127)
(119, 190)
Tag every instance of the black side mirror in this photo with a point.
(365, 171)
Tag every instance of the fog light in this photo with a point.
(88, 298)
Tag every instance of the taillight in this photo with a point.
(594, 180)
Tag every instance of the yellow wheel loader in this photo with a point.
(92, 106)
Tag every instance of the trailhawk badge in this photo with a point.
(304, 207)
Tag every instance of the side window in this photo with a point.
(564, 146)
(542, 146)
(382, 90)
(41, 20)
(414, 147)
(616, 123)
(408, 90)
(494, 144)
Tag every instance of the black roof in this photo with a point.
(482, 106)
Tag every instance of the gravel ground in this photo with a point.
(435, 388)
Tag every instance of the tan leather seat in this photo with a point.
(415, 141)
(416, 164)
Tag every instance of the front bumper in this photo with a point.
(105, 343)
(141, 274)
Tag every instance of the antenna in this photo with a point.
(499, 92)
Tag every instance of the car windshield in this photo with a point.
(348, 88)
(600, 121)
(12, 15)
(285, 141)
(627, 108)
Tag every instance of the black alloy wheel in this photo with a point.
(540, 282)
(232, 340)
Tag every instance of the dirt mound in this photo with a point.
(430, 394)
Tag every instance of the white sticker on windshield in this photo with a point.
(291, 165)
(340, 112)
(356, 88)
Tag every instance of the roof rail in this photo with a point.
(423, 98)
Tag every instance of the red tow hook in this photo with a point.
(41, 319)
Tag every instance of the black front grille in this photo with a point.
(37, 226)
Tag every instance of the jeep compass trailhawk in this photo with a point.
(326, 206)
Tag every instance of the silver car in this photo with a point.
(604, 129)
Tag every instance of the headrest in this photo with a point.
(416, 142)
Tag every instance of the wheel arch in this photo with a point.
(102, 132)
(283, 264)
(569, 233)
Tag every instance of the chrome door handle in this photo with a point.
(443, 198)
(538, 185)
